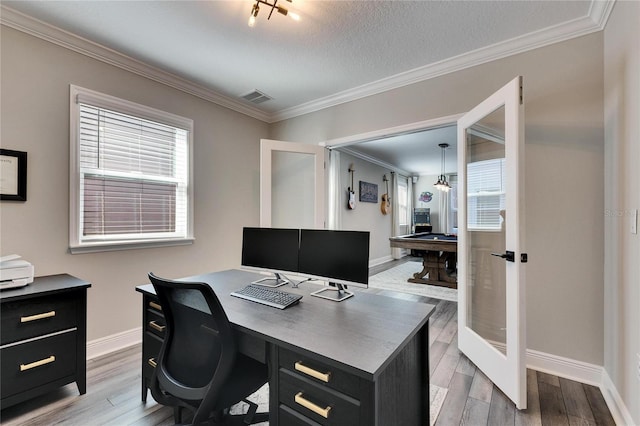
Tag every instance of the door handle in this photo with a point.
(509, 256)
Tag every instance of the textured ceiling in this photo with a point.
(339, 50)
(336, 46)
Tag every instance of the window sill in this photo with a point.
(494, 230)
(128, 245)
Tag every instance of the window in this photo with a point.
(130, 175)
(453, 204)
(403, 198)
(485, 194)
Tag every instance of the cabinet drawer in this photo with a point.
(289, 417)
(155, 323)
(38, 316)
(28, 365)
(150, 351)
(315, 402)
(320, 373)
(154, 304)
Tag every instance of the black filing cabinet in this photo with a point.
(43, 344)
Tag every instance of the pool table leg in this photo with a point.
(434, 271)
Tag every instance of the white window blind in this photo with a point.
(132, 175)
(485, 194)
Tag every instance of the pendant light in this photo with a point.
(442, 184)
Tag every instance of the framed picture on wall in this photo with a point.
(368, 192)
(13, 175)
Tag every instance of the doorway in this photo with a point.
(410, 159)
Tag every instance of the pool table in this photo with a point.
(439, 257)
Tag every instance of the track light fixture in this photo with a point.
(442, 183)
(274, 6)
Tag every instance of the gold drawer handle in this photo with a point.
(155, 305)
(38, 316)
(152, 362)
(25, 367)
(325, 377)
(156, 326)
(324, 412)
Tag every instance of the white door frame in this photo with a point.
(267, 148)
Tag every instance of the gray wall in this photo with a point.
(35, 78)
(563, 93)
(622, 178)
(366, 216)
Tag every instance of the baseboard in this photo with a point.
(567, 368)
(614, 401)
(114, 342)
(578, 371)
(582, 372)
(380, 260)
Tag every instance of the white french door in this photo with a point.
(491, 276)
(292, 185)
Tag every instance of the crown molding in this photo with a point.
(375, 161)
(595, 21)
(21, 22)
(600, 10)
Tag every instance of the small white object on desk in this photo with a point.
(15, 272)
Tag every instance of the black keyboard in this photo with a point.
(267, 296)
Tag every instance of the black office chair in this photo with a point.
(199, 366)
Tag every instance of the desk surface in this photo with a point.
(362, 333)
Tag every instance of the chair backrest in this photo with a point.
(199, 348)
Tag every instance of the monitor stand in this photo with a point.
(277, 281)
(335, 292)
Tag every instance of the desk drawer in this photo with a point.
(28, 365)
(151, 349)
(153, 304)
(155, 323)
(320, 373)
(37, 316)
(289, 417)
(316, 402)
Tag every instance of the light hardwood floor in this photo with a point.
(113, 390)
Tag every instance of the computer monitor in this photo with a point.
(339, 257)
(270, 249)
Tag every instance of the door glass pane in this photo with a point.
(486, 190)
(292, 190)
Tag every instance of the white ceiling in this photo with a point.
(338, 51)
(414, 153)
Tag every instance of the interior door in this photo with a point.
(292, 185)
(491, 280)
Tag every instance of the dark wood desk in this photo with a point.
(369, 353)
(439, 257)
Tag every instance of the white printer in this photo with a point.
(14, 272)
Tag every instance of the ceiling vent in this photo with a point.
(256, 97)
